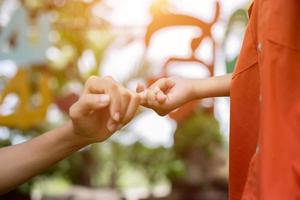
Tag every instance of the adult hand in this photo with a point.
(104, 107)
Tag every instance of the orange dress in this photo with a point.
(265, 106)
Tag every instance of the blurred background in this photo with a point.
(48, 49)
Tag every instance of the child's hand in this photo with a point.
(167, 94)
(104, 107)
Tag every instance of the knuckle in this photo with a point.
(73, 111)
(126, 94)
(108, 78)
(109, 81)
(85, 100)
(162, 113)
(150, 94)
(164, 79)
(152, 104)
(92, 79)
(88, 103)
(114, 86)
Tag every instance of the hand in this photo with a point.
(104, 107)
(167, 94)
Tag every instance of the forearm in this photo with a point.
(21, 162)
(97, 114)
(212, 87)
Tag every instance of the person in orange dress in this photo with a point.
(265, 103)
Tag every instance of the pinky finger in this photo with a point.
(132, 109)
(161, 97)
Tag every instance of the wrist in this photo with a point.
(197, 89)
(73, 138)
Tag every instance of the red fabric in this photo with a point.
(265, 108)
(245, 109)
(279, 160)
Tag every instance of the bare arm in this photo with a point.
(23, 161)
(213, 87)
(104, 107)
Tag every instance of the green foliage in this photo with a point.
(118, 163)
(200, 146)
(230, 65)
(76, 34)
(157, 163)
(239, 19)
(201, 131)
(5, 143)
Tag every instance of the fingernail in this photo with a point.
(161, 98)
(156, 90)
(116, 116)
(111, 126)
(104, 99)
(171, 82)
